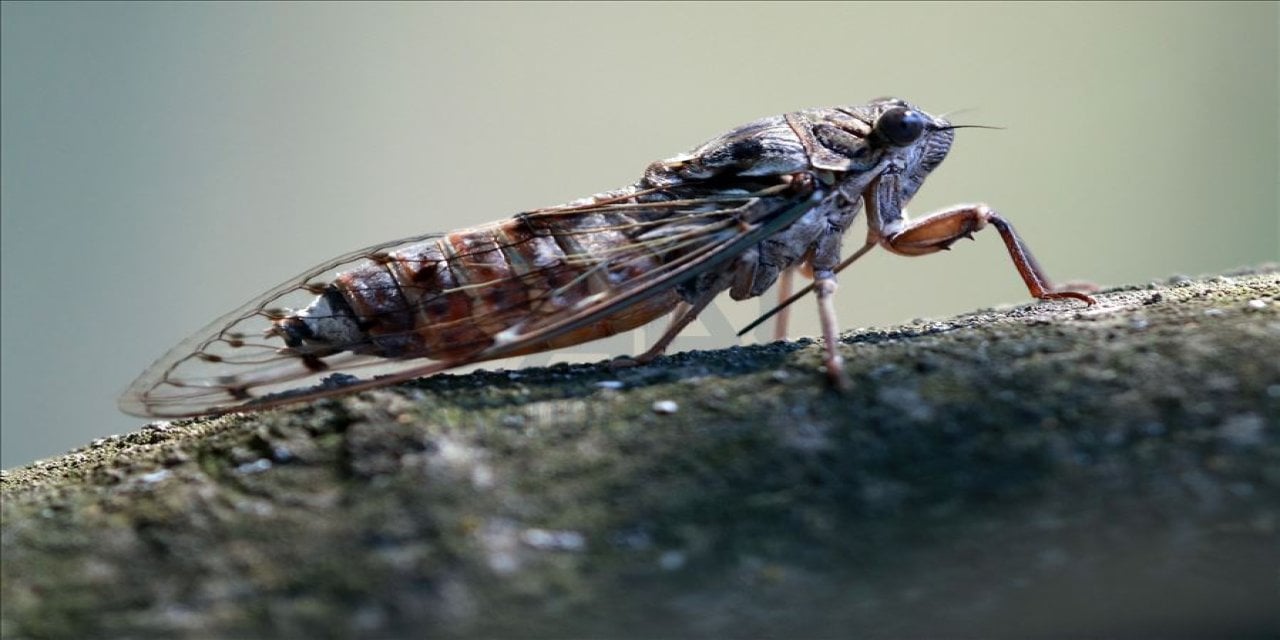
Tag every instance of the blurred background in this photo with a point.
(163, 163)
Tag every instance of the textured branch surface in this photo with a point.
(1041, 470)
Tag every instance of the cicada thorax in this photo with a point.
(451, 297)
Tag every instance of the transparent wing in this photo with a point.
(242, 361)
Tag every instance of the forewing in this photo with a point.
(238, 363)
(204, 373)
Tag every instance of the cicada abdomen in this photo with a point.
(450, 297)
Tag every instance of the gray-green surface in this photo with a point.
(1040, 471)
(162, 163)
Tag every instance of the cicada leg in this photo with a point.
(938, 231)
(824, 284)
(685, 313)
(784, 292)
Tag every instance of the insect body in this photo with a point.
(735, 213)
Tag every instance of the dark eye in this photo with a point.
(899, 126)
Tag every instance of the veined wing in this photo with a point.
(242, 361)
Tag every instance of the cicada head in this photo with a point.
(918, 141)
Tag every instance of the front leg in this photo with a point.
(938, 231)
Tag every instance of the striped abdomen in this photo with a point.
(449, 297)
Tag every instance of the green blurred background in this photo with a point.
(162, 163)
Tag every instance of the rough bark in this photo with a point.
(1036, 471)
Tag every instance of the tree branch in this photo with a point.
(1041, 470)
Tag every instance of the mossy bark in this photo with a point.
(1042, 470)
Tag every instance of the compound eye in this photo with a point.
(899, 126)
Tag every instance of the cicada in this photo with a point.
(737, 213)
